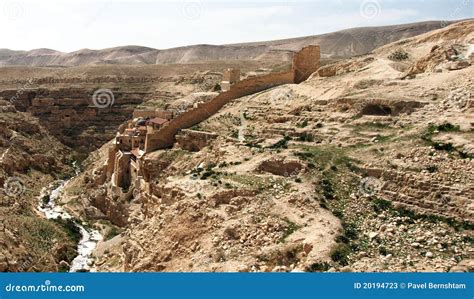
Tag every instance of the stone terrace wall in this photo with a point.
(165, 137)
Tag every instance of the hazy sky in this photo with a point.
(70, 25)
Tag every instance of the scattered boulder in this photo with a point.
(463, 266)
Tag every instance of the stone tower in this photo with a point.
(306, 62)
(230, 77)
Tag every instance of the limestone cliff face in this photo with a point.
(76, 116)
(354, 170)
(30, 159)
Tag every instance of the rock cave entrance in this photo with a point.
(375, 109)
(31, 96)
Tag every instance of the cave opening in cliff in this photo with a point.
(31, 96)
(378, 110)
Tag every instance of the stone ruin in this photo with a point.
(229, 78)
(158, 129)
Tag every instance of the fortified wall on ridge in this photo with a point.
(305, 62)
(154, 130)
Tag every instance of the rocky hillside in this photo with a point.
(30, 159)
(366, 166)
(345, 43)
(83, 106)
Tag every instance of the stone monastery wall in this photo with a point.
(305, 63)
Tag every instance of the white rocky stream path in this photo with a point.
(90, 237)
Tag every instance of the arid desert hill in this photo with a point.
(366, 166)
(341, 44)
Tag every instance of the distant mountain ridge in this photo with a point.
(344, 43)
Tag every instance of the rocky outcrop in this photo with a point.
(439, 58)
(75, 115)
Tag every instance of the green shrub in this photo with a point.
(318, 267)
(339, 254)
(448, 127)
(338, 213)
(305, 137)
(283, 143)
(443, 146)
(303, 124)
(383, 250)
(328, 190)
(71, 228)
(350, 230)
(290, 228)
(207, 174)
(381, 205)
(398, 55)
(112, 232)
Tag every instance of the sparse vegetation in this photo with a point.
(306, 137)
(71, 228)
(302, 124)
(290, 229)
(398, 55)
(432, 168)
(434, 129)
(318, 267)
(283, 143)
(323, 156)
(112, 233)
(380, 205)
(339, 253)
